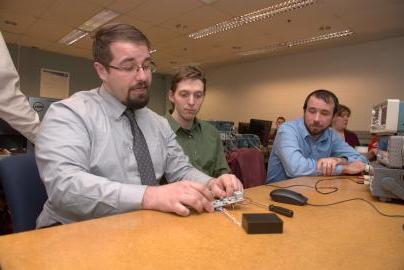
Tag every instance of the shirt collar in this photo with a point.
(113, 105)
(175, 126)
(306, 134)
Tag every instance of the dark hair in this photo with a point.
(188, 73)
(342, 109)
(328, 97)
(110, 33)
(281, 118)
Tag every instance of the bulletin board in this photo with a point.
(54, 84)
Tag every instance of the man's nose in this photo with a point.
(141, 74)
(191, 100)
(317, 117)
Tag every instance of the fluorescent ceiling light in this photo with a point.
(293, 43)
(254, 16)
(73, 36)
(93, 23)
(101, 18)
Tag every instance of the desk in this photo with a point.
(345, 236)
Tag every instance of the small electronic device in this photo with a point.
(386, 183)
(388, 117)
(238, 196)
(280, 210)
(262, 223)
(288, 196)
(393, 156)
(387, 180)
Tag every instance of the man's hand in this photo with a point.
(327, 166)
(354, 167)
(224, 185)
(178, 197)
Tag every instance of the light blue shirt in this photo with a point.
(295, 152)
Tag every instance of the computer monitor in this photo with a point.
(41, 105)
(10, 138)
(261, 128)
(388, 117)
(243, 128)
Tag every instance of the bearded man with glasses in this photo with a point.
(102, 152)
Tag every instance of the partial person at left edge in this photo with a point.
(14, 106)
(103, 152)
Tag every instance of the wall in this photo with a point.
(29, 62)
(360, 75)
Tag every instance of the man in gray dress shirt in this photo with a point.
(84, 148)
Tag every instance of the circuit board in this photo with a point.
(238, 196)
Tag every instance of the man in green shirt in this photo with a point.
(199, 139)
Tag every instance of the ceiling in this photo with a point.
(167, 23)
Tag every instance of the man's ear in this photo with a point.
(101, 70)
(171, 96)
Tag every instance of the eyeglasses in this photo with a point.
(147, 67)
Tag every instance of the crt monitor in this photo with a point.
(10, 138)
(243, 128)
(261, 128)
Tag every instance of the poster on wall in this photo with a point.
(54, 84)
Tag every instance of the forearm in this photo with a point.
(82, 195)
(296, 165)
(14, 106)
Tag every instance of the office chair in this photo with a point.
(24, 191)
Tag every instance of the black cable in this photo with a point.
(249, 200)
(316, 187)
(296, 185)
(360, 199)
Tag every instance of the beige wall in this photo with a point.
(360, 75)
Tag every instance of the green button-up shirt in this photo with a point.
(202, 145)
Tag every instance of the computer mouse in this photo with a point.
(288, 196)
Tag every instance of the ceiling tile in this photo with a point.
(72, 12)
(132, 21)
(158, 11)
(124, 6)
(33, 8)
(22, 21)
(48, 30)
(196, 19)
(240, 7)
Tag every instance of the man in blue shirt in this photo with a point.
(309, 146)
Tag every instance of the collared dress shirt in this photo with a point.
(85, 157)
(14, 106)
(203, 146)
(295, 153)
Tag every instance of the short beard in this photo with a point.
(317, 133)
(139, 103)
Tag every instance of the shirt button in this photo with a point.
(130, 148)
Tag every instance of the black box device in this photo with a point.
(262, 223)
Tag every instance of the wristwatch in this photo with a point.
(367, 168)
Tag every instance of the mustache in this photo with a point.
(139, 85)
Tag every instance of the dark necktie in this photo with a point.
(141, 151)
